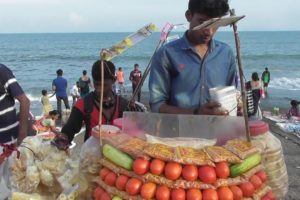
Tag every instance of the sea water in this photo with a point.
(34, 59)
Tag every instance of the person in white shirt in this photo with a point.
(74, 91)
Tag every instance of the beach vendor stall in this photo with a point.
(158, 156)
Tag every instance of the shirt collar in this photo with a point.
(185, 44)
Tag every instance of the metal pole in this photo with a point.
(241, 73)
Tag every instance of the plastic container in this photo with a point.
(226, 96)
(272, 157)
(118, 123)
(90, 152)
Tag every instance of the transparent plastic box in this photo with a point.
(222, 128)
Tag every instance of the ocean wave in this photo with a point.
(285, 83)
(32, 98)
(271, 56)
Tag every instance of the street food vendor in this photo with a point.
(87, 109)
(182, 71)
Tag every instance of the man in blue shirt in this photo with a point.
(59, 85)
(183, 71)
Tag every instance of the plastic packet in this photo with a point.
(197, 143)
(90, 154)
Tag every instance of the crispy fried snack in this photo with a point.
(135, 147)
(161, 151)
(252, 171)
(187, 155)
(241, 148)
(230, 181)
(261, 192)
(219, 154)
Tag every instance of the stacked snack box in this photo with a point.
(133, 168)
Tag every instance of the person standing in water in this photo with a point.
(120, 80)
(135, 77)
(266, 77)
(84, 84)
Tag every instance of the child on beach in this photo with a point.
(294, 110)
(47, 107)
(47, 123)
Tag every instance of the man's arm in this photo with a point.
(23, 115)
(73, 124)
(130, 76)
(53, 86)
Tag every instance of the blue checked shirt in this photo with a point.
(179, 77)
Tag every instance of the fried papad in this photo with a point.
(161, 151)
(241, 148)
(219, 154)
(187, 155)
(135, 147)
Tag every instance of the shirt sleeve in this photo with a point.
(232, 69)
(159, 81)
(10, 82)
(74, 122)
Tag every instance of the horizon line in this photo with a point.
(133, 31)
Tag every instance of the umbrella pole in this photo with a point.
(241, 73)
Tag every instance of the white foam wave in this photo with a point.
(285, 83)
(38, 98)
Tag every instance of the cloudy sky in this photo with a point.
(34, 16)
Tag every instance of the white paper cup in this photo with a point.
(226, 96)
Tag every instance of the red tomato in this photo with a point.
(207, 174)
(193, 194)
(222, 170)
(262, 175)
(247, 189)
(190, 172)
(103, 173)
(162, 193)
(237, 192)
(255, 180)
(148, 190)
(265, 198)
(173, 170)
(133, 186)
(157, 166)
(98, 192)
(224, 193)
(270, 195)
(209, 194)
(178, 194)
(141, 166)
(121, 182)
(105, 196)
(110, 179)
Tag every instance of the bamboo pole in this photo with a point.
(241, 73)
(101, 97)
(147, 70)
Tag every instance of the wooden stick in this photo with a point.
(101, 98)
(241, 73)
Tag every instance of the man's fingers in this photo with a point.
(213, 104)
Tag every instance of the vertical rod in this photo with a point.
(241, 73)
(101, 98)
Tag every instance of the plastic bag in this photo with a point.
(90, 154)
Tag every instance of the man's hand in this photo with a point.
(211, 108)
